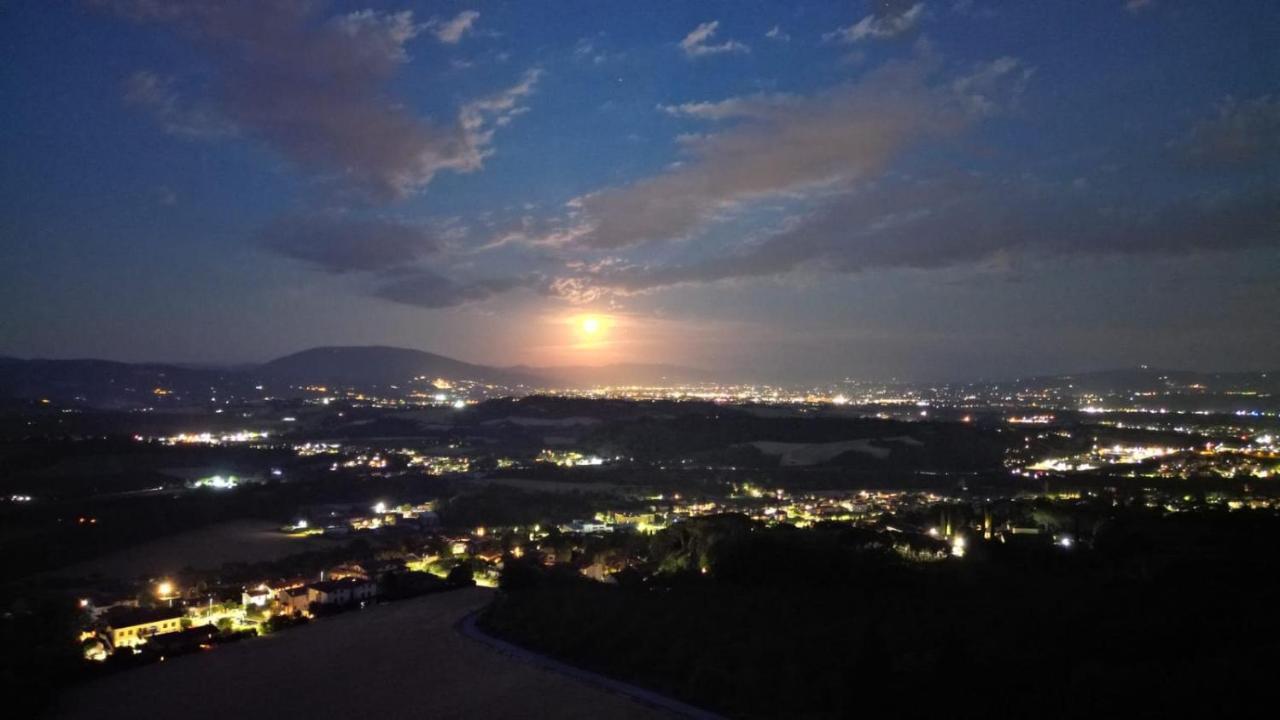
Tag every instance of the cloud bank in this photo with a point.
(341, 245)
(317, 91)
(791, 145)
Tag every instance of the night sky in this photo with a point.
(794, 190)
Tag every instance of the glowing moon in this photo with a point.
(590, 331)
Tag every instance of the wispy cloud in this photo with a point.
(698, 42)
(177, 115)
(452, 31)
(1239, 133)
(890, 22)
(991, 86)
(777, 33)
(480, 118)
(739, 107)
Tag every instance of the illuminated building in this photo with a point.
(133, 626)
(341, 592)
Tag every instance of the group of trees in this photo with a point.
(1168, 613)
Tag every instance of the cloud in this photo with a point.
(777, 33)
(991, 86)
(696, 43)
(785, 147)
(317, 90)
(480, 118)
(429, 289)
(451, 31)
(958, 221)
(757, 105)
(1136, 6)
(891, 21)
(340, 245)
(176, 115)
(1244, 134)
(590, 49)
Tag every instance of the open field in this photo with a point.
(206, 547)
(399, 660)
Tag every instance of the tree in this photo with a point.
(519, 574)
(461, 576)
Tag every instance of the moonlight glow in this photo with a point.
(590, 331)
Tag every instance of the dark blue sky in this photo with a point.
(799, 190)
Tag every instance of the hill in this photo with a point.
(107, 384)
(380, 366)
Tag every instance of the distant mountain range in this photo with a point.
(1144, 379)
(104, 383)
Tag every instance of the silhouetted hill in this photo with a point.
(379, 365)
(105, 383)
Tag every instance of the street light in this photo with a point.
(165, 591)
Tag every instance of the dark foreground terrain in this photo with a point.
(1163, 616)
(398, 660)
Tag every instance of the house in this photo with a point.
(589, 527)
(347, 570)
(335, 593)
(293, 599)
(259, 597)
(128, 627)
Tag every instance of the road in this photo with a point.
(399, 660)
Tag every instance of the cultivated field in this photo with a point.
(203, 548)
